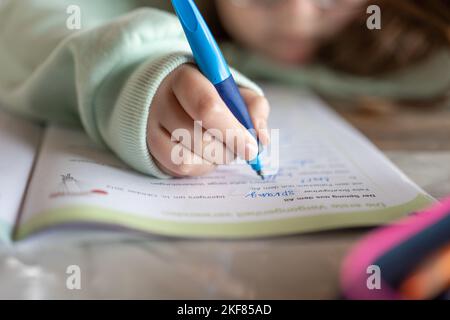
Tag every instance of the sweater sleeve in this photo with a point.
(102, 76)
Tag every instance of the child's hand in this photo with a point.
(186, 96)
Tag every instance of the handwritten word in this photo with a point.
(279, 194)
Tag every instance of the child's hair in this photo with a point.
(410, 31)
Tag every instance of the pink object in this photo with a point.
(354, 273)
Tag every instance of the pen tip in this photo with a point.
(261, 174)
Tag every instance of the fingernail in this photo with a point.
(251, 150)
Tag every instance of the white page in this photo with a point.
(19, 141)
(327, 169)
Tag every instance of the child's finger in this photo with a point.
(183, 128)
(162, 149)
(259, 110)
(201, 101)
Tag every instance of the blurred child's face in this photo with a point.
(289, 31)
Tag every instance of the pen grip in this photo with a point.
(230, 94)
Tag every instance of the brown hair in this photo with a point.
(411, 30)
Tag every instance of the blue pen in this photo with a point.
(212, 64)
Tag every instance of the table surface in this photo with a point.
(118, 265)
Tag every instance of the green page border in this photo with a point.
(92, 214)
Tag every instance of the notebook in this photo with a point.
(328, 176)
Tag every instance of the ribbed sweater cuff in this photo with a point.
(134, 107)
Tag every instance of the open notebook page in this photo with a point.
(19, 141)
(330, 176)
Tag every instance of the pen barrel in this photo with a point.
(204, 47)
(230, 94)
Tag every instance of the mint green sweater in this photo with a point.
(103, 77)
